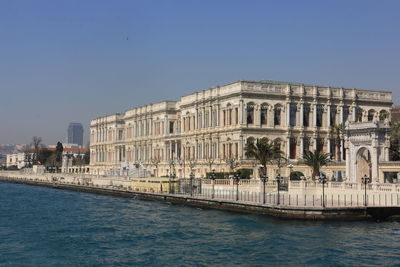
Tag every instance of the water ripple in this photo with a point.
(49, 227)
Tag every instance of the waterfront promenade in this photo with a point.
(302, 199)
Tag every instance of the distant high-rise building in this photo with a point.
(75, 133)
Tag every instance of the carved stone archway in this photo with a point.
(363, 163)
(366, 145)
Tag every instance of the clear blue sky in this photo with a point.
(68, 61)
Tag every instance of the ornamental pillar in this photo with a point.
(301, 146)
(328, 115)
(314, 114)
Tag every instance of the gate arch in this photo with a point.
(363, 163)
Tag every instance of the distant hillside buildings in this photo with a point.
(396, 114)
(75, 133)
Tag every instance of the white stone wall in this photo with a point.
(212, 123)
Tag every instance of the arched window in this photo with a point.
(332, 118)
(346, 113)
(383, 114)
(277, 114)
(371, 114)
(359, 114)
(250, 113)
(264, 114)
(250, 140)
(278, 143)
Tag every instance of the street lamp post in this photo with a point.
(278, 180)
(236, 178)
(264, 179)
(290, 166)
(191, 181)
(323, 180)
(172, 180)
(169, 182)
(365, 180)
(213, 176)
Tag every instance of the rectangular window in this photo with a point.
(333, 148)
(320, 144)
(236, 116)
(293, 110)
(120, 135)
(333, 116)
(250, 114)
(263, 115)
(293, 146)
(306, 144)
(345, 113)
(320, 111)
(306, 115)
(171, 127)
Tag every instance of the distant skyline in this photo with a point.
(72, 61)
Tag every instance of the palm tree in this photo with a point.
(316, 161)
(264, 151)
(338, 130)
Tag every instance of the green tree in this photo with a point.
(43, 155)
(316, 160)
(58, 154)
(264, 151)
(36, 141)
(338, 130)
(86, 157)
(395, 141)
(232, 163)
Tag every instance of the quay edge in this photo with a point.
(303, 213)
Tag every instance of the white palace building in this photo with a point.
(208, 128)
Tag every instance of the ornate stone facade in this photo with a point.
(367, 144)
(206, 128)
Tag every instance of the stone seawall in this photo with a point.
(290, 212)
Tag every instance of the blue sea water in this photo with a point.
(50, 227)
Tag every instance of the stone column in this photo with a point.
(314, 143)
(210, 116)
(375, 160)
(288, 146)
(270, 116)
(218, 115)
(328, 115)
(176, 149)
(301, 114)
(196, 118)
(340, 107)
(349, 162)
(257, 115)
(241, 147)
(241, 122)
(218, 156)
(301, 146)
(314, 114)
(288, 113)
(328, 145)
(354, 113)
